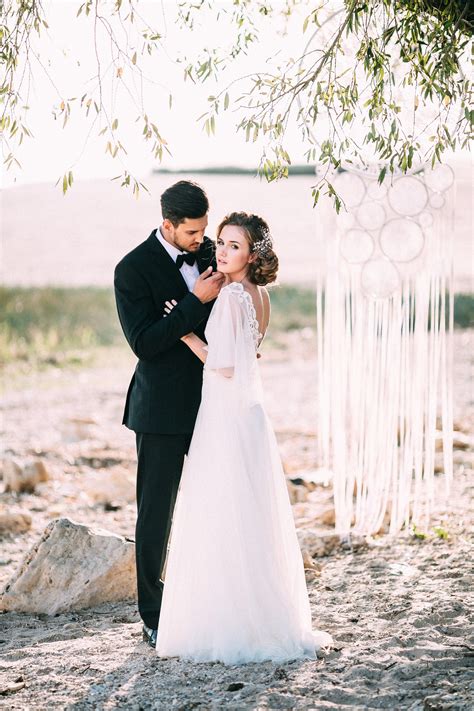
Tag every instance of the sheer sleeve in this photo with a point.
(229, 344)
(231, 368)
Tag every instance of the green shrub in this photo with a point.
(39, 323)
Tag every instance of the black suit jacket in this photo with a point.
(165, 391)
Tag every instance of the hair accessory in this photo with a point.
(264, 245)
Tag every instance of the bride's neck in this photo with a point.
(237, 278)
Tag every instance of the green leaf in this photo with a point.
(441, 532)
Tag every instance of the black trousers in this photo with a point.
(160, 462)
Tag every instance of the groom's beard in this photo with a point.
(192, 247)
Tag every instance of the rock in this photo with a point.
(463, 458)
(112, 486)
(235, 686)
(76, 429)
(316, 477)
(462, 441)
(309, 563)
(54, 512)
(303, 515)
(13, 686)
(72, 567)
(438, 703)
(24, 477)
(103, 457)
(298, 494)
(385, 525)
(111, 506)
(300, 481)
(318, 544)
(14, 521)
(460, 426)
(328, 518)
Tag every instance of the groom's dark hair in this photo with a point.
(183, 200)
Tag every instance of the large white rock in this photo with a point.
(72, 567)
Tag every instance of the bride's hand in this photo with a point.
(169, 306)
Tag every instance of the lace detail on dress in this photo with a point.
(245, 298)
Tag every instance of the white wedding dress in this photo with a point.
(235, 588)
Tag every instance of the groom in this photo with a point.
(176, 262)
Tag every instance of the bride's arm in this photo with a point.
(199, 348)
(197, 345)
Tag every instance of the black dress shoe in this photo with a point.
(149, 635)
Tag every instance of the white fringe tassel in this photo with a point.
(385, 384)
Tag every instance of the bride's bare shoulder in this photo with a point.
(264, 293)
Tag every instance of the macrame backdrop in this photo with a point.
(385, 327)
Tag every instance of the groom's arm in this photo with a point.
(147, 335)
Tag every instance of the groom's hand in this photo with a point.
(208, 285)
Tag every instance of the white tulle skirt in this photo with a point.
(235, 588)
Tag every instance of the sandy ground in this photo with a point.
(399, 610)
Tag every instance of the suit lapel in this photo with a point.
(167, 264)
(204, 258)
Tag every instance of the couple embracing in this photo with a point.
(211, 493)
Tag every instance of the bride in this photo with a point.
(235, 588)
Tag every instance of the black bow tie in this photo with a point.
(186, 257)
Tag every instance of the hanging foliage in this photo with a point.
(380, 80)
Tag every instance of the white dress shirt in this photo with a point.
(189, 273)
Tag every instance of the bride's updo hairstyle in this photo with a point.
(263, 269)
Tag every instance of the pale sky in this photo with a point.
(66, 52)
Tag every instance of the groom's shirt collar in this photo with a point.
(188, 272)
(170, 248)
